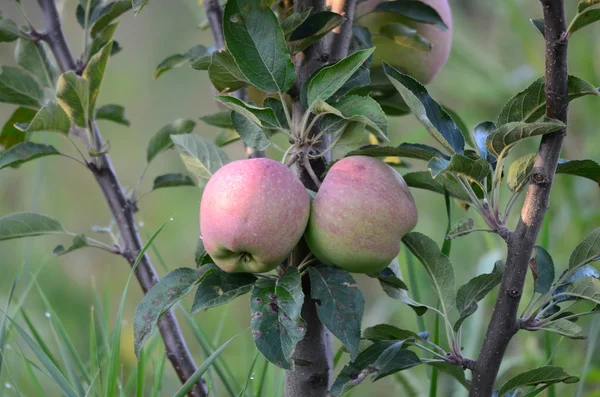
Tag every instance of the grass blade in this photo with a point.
(250, 376)
(205, 365)
(263, 377)
(4, 322)
(158, 376)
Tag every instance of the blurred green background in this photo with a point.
(496, 53)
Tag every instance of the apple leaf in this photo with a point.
(543, 375)
(356, 108)
(201, 257)
(542, 268)
(177, 60)
(407, 150)
(18, 87)
(562, 327)
(480, 134)
(201, 158)
(276, 323)
(224, 73)
(414, 10)
(73, 94)
(24, 152)
(579, 273)
(108, 14)
(28, 224)
(51, 117)
(458, 373)
(138, 5)
(585, 18)
(435, 119)
(443, 183)
(226, 137)
(94, 73)
(202, 63)
(475, 290)
(396, 289)
(79, 241)
(585, 4)
(438, 267)
(33, 57)
(461, 228)
(290, 23)
(252, 134)
(394, 359)
(388, 332)
(169, 290)
(10, 135)
(114, 113)
(585, 288)
(317, 25)
(530, 104)
(161, 141)
(328, 80)
(340, 304)
(507, 135)
(255, 40)
(172, 180)
(220, 119)
(262, 116)
(218, 288)
(538, 24)
(476, 170)
(9, 31)
(587, 251)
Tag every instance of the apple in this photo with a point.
(419, 63)
(252, 215)
(359, 215)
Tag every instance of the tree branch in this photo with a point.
(504, 324)
(341, 41)
(122, 211)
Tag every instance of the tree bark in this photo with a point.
(520, 243)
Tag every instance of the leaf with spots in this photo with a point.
(219, 287)
(340, 304)
(276, 323)
(162, 296)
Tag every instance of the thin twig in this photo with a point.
(341, 42)
(122, 211)
(504, 324)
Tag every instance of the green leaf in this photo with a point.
(587, 251)
(261, 116)
(585, 288)
(407, 150)
(476, 170)
(218, 288)
(73, 94)
(405, 36)
(549, 374)
(457, 373)
(28, 224)
(538, 24)
(530, 104)
(542, 268)
(224, 73)
(585, 4)
(435, 119)
(94, 73)
(33, 57)
(114, 113)
(317, 25)
(583, 19)
(290, 23)
(480, 134)
(10, 135)
(388, 332)
(251, 133)
(24, 152)
(394, 359)
(460, 123)
(475, 290)
(396, 289)
(138, 5)
(437, 265)
(79, 241)
(520, 172)
(256, 42)
(277, 107)
(172, 180)
(328, 80)
(20, 88)
(9, 31)
(201, 257)
(509, 134)
(226, 137)
(340, 304)
(51, 117)
(276, 323)
(170, 289)
(177, 60)
(424, 180)
(361, 109)
(201, 158)
(108, 14)
(563, 327)
(461, 228)
(221, 119)
(414, 10)
(203, 63)
(102, 39)
(161, 141)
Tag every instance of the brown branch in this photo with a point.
(341, 41)
(504, 324)
(122, 211)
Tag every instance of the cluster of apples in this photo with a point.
(254, 212)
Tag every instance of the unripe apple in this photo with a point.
(359, 215)
(252, 215)
(421, 64)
